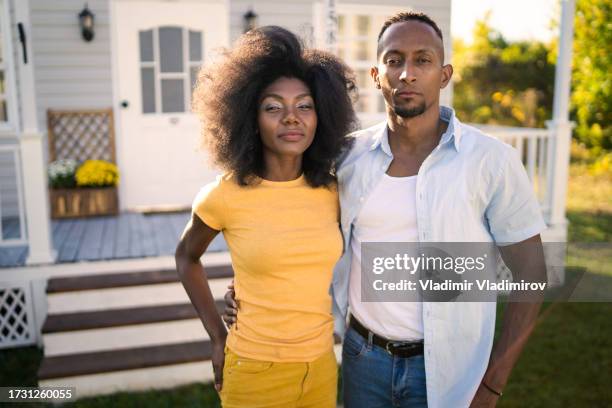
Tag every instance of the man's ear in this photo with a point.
(447, 73)
(374, 75)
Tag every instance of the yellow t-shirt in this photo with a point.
(284, 240)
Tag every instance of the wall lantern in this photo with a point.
(250, 20)
(86, 21)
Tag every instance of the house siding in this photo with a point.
(73, 74)
(295, 15)
(70, 73)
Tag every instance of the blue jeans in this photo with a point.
(373, 378)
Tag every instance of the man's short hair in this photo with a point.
(408, 16)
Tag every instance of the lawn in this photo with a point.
(567, 362)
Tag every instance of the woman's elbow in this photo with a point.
(180, 256)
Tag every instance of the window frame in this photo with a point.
(185, 75)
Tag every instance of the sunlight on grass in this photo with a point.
(589, 190)
(589, 211)
(568, 360)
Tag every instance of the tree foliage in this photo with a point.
(591, 96)
(501, 82)
(512, 83)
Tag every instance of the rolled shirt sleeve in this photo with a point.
(513, 213)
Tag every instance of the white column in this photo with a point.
(560, 123)
(32, 159)
(563, 71)
(331, 27)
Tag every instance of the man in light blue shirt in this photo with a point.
(459, 185)
(423, 176)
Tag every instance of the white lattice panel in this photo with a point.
(16, 315)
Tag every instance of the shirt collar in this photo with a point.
(452, 133)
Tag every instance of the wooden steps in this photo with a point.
(123, 317)
(123, 359)
(127, 331)
(113, 280)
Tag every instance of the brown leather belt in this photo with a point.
(404, 349)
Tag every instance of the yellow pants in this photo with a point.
(249, 383)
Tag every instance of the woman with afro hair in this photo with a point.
(274, 118)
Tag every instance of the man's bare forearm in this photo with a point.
(518, 324)
(526, 261)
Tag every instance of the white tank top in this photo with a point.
(388, 215)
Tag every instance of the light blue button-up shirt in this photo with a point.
(471, 188)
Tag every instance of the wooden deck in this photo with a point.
(128, 235)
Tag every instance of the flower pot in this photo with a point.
(83, 202)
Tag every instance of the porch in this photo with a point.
(128, 235)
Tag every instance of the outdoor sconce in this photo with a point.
(86, 21)
(250, 20)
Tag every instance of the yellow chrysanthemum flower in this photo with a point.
(97, 173)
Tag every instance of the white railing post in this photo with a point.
(560, 124)
(32, 159)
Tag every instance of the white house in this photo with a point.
(142, 62)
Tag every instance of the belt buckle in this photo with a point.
(387, 347)
(398, 344)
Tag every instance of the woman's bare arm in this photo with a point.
(193, 243)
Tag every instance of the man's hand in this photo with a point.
(218, 361)
(231, 306)
(484, 398)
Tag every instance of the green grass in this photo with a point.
(195, 395)
(567, 362)
(18, 366)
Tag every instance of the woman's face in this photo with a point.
(286, 117)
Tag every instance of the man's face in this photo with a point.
(410, 70)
